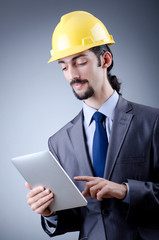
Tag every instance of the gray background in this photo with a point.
(35, 99)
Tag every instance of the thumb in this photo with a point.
(28, 186)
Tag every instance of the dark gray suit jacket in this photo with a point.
(133, 157)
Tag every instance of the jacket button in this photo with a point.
(105, 212)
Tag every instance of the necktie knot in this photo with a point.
(98, 117)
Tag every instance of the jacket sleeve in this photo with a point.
(144, 195)
(67, 220)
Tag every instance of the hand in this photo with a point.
(39, 199)
(100, 188)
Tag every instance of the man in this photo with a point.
(115, 160)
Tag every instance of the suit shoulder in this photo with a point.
(144, 109)
(136, 108)
(61, 132)
(126, 105)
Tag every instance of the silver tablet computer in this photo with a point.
(42, 169)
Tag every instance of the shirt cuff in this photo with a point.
(127, 198)
(53, 219)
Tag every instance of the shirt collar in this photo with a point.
(108, 108)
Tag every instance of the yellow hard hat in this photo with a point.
(76, 32)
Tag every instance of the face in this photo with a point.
(83, 73)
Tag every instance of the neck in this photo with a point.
(98, 99)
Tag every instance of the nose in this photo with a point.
(73, 73)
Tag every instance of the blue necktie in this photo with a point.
(100, 145)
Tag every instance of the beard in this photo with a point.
(85, 95)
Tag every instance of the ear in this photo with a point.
(106, 59)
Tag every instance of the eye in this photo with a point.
(64, 68)
(82, 63)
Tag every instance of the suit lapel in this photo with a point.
(121, 123)
(76, 134)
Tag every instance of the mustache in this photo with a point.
(78, 81)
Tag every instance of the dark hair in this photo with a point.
(100, 50)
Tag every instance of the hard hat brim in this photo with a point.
(77, 49)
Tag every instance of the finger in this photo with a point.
(84, 178)
(96, 186)
(43, 209)
(93, 187)
(37, 197)
(35, 191)
(103, 193)
(94, 191)
(42, 202)
(99, 196)
(86, 192)
(28, 186)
